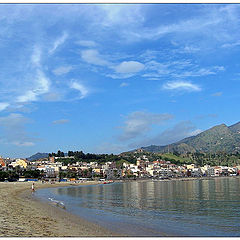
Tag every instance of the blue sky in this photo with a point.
(111, 78)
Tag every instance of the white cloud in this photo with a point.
(124, 84)
(182, 85)
(42, 86)
(87, 43)
(190, 49)
(23, 144)
(3, 105)
(178, 69)
(217, 94)
(92, 56)
(192, 26)
(199, 72)
(121, 15)
(58, 42)
(219, 68)
(120, 76)
(129, 67)
(211, 25)
(139, 122)
(194, 73)
(81, 88)
(36, 56)
(29, 96)
(60, 121)
(230, 45)
(62, 70)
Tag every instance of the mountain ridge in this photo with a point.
(37, 156)
(217, 138)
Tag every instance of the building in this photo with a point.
(20, 162)
(52, 159)
(2, 162)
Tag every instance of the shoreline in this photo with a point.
(24, 215)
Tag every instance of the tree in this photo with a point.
(62, 174)
(32, 174)
(3, 175)
(60, 154)
(12, 176)
(71, 153)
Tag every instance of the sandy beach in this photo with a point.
(22, 215)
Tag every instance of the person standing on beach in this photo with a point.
(33, 188)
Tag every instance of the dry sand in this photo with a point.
(21, 215)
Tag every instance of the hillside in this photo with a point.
(37, 156)
(220, 138)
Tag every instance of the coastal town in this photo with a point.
(55, 168)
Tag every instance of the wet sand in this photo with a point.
(22, 215)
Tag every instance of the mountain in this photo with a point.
(217, 138)
(37, 156)
(235, 127)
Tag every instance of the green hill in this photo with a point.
(220, 138)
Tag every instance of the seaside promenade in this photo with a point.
(22, 215)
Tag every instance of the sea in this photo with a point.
(202, 207)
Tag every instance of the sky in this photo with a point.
(109, 78)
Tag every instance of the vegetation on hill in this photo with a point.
(216, 139)
(200, 159)
(80, 156)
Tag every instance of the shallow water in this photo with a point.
(156, 208)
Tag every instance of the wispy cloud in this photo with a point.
(138, 123)
(217, 94)
(121, 15)
(62, 70)
(182, 86)
(189, 49)
(92, 56)
(3, 105)
(23, 144)
(42, 86)
(84, 91)
(120, 75)
(214, 20)
(61, 121)
(58, 42)
(231, 45)
(13, 130)
(124, 84)
(204, 116)
(178, 69)
(199, 72)
(171, 135)
(36, 56)
(86, 43)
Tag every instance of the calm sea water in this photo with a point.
(154, 208)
